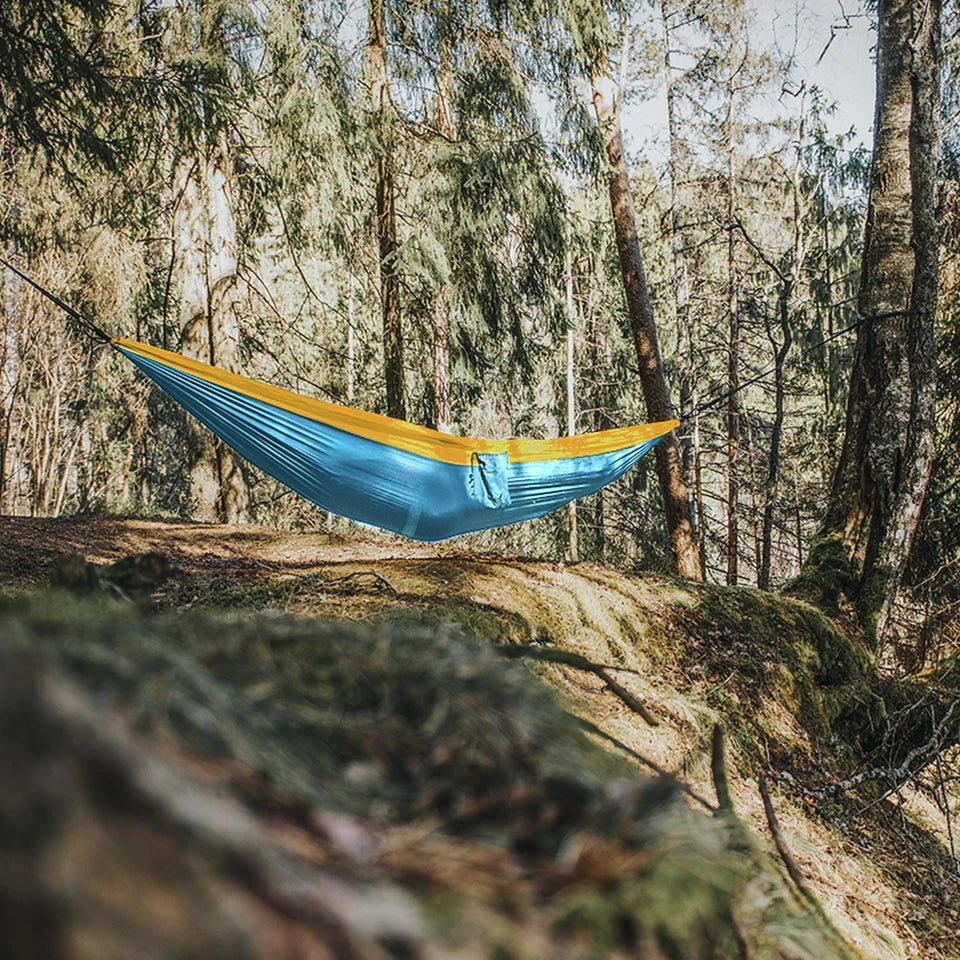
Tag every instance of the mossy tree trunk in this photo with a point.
(885, 462)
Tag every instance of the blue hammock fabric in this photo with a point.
(389, 473)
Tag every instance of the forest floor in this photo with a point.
(652, 665)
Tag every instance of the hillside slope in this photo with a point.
(447, 799)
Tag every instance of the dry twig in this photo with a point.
(579, 662)
(796, 875)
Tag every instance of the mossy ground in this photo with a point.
(782, 678)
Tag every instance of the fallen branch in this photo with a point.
(352, 582)
(656, 768)
(718, 767)
(908, 770)
(786, 856)
(577, 661)
(553, 655)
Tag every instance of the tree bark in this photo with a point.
(733, 365)
(442, 409)
(573, 550)
(9, 385)
(681, 280)
(776, 435)
(788, 279)
(599, 364)
(442, 404)
(674, 489)
(386, 212)
(205, 232)
(885, 463)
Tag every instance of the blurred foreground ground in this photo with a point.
(296, 745)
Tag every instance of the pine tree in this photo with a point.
(592, 36)
(381, 109)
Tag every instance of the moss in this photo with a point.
(701, 895)
(871, 598)
(831, 581)
(401, 721)
(852, 709)
(783, 650)
(681, 904)
(488, 624)
(827, 575)
(428, 714)
(273, 593)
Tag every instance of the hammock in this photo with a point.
(386, 472)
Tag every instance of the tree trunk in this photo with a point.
(386, 212)
(9, 384)
(351, 343)
(788, 280)
(205, 232)
(599, 364)
(885, 462)
(733, 359)
(573, 551)
(797, 516)
(678, 158)
(669, 472)
(776, 435)
(443, 409)
(755, 512)
(698, 495)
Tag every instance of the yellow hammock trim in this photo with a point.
(400, 433)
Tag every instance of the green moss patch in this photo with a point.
(756, 647)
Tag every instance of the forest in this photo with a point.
(406, 208)
(521, 218)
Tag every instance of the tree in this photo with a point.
(639, 307)
(673, 12)
(591, 33)
(381, 113)
(205, 237)
(63, 76)
(9, 386)
(881, 477)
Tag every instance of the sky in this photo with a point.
(832, 43)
